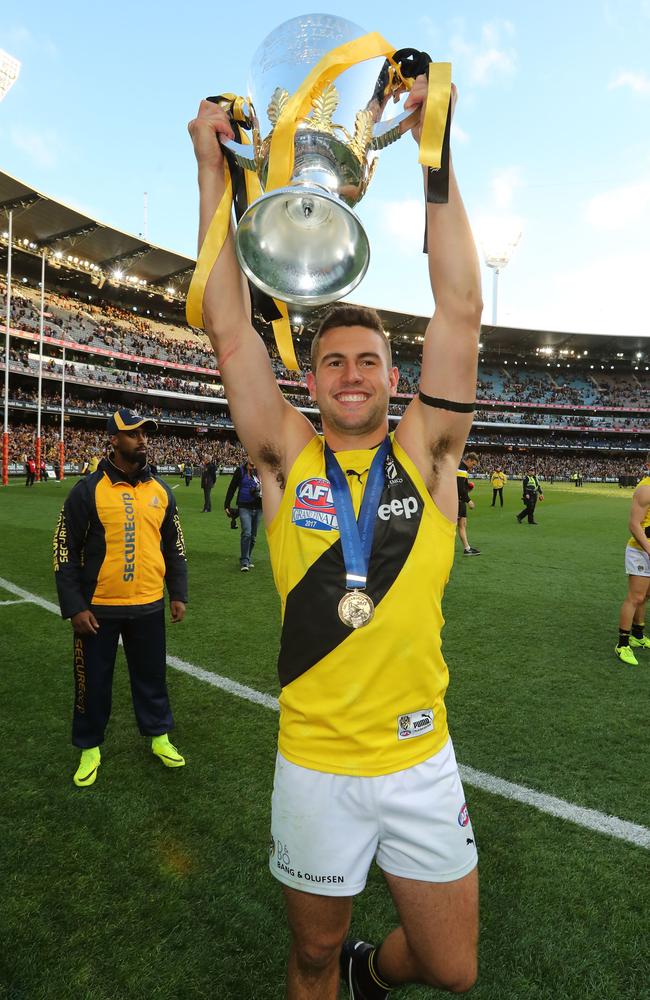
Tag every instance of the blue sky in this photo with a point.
(551, 138)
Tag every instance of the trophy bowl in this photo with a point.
(302, 242)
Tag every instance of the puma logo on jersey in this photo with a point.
(399, 508)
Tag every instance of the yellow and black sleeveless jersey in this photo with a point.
(462, 482)
(368, 701)
(645, 523)
(116, 544)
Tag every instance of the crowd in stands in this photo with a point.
(100, 323)
(171, 450)
(221, 417)
(553, 467)
(120, 377)
(81, 444)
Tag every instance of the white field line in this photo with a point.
(591, 819)
(20, 601)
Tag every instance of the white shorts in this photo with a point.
(327, 828)
(637, 562)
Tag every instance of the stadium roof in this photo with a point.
(43, 223)
(50, 225)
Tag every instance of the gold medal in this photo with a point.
(356, 609)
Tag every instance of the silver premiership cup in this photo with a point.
(302, 243)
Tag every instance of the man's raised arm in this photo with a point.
(261, 415)
(450, 351)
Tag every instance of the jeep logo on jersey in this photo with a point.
(314, 506)
(398, 508)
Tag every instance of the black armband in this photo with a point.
(446, 404)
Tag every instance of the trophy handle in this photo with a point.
(244, 154)
(386, 133)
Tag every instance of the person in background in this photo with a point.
(117, 542)
(532, 492)
(498, 479)
(247, 483)
(188, 472)
(464, 502)
(631, 625)
(208, 479)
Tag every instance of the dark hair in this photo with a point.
(472, 456)
(344, 314)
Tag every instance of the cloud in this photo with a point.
(404, 220)
(504, 184)
(619, 208)
(459, 134)
(606, 295)
(41, 146)
(638, 82)
(491, 57)
(23, 38)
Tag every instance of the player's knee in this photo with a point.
(314, 956)
(456, 977)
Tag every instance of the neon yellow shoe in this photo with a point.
(86, 773)
(625, 654)
(168, 753)
(643, 643)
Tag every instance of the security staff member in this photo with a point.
(118, 540)
(532, 492)
(498, 479)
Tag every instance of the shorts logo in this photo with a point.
(463, 816)
(415, 724)
(314, 506)
(283, 854)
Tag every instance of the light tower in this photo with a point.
(9, 70)
(497, 253)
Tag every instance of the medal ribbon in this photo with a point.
(356, 536)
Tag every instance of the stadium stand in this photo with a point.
(566, 400)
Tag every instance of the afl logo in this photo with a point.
(314, 506)
(463, 816)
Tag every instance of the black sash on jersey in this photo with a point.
(312, 627)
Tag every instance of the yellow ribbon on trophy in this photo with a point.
(281, 160)
(213, 243)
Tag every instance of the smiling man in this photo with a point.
(361, 528)
(117, 542)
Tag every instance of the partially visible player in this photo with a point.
(637, 566)
(462, 482)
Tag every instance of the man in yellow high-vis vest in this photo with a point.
(498, 479)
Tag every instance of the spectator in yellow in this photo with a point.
(498, 480)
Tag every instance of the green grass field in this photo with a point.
(154, 883)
